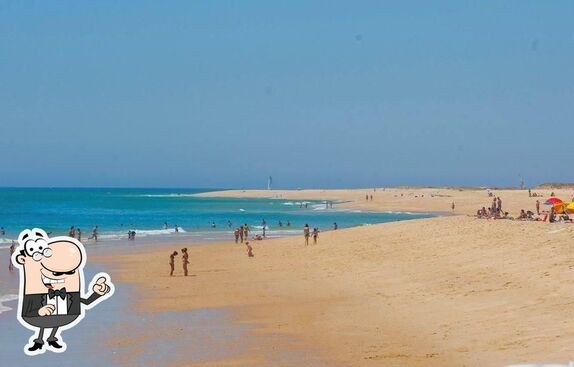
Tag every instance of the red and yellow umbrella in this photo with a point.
(559, 208)
(552, 201)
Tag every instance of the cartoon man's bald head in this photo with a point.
(49, 263)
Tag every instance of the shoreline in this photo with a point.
(443, 291)
(450, 290)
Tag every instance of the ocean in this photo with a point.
(116, 211)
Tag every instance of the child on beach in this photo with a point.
(249, 249)
(315, 235)
(172, 262)
(184, 258)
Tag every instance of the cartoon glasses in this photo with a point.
(37, 249)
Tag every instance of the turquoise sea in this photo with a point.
(116, 211)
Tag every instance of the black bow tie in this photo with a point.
(55, 293)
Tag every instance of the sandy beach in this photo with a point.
(445, 291)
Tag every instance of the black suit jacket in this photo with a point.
(33, 302)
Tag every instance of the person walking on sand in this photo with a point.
(538, 207)
(452, 206)
(306, 233)
(172, 262)
(249, 249)
(12, 249)
(236, 234)
(184, 258)
(315, 235)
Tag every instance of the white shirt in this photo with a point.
(61, 304)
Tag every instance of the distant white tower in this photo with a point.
(521, 182)
(269, 182)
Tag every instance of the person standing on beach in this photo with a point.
(72, 232)
(12, 249)
(172, 262)
(538, 207)
(306, 233)
(452, 206)
(335, 226)
(499, 202)
(315, 235)
(236, 234)
(79, 233)
(241, 233)
(184, 258)
(246, 231)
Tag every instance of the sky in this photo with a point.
(314, 93)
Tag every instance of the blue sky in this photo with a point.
(314, 93)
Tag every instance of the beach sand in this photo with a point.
(444, 291)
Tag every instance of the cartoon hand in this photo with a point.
(101, 287)
(47, 310)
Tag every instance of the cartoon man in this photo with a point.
(51, 283)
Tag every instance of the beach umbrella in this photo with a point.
(552, 201)
(559, 208)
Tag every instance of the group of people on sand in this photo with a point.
(241, 233)
(367, 198)
(307, 233)
(495, 212)
(77, 233)
(184, 261)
